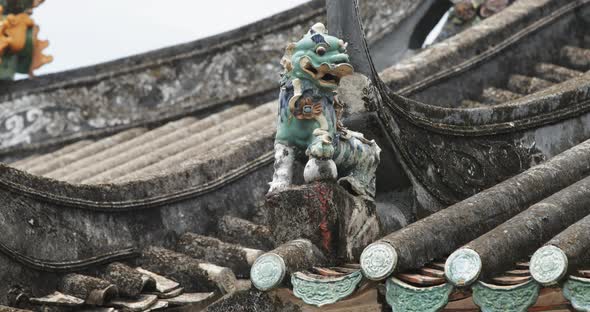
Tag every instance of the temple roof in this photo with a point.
(175, 183)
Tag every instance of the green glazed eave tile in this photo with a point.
(403, 297)
(577, 291)
(322, 292)
(517, 298)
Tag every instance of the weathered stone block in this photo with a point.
(339, 223)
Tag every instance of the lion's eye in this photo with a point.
(320, 51)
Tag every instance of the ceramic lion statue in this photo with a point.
(309, 125)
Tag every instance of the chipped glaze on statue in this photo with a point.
(309, 118)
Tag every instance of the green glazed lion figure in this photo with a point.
(309, 118)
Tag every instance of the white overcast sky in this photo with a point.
(87, 32)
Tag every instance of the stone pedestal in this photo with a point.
(340, 224)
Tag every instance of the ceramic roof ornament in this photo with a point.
(20, 49)
(309, 122)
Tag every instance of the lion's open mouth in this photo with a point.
(325, 74)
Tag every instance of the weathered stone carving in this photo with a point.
(309, 118)
(20, 124)
(340, 224)
(459, 168)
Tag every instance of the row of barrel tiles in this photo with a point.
(460, 299)
(572, 63)
(141, 153)
(199, 271)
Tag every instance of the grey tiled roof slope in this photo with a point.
(193, 78)
(139, 153)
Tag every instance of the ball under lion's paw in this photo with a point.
(319, 170)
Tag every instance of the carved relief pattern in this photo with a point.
(463, 267)
(517, 299)
(402, 297)
(267, 271)
(454, 168)
(548, 264)
(378, 260)
(577, 291)
(322, 292)
(23, 124)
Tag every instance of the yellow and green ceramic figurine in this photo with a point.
(309, 123)
(20, 49)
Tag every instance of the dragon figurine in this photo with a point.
(309, 121)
